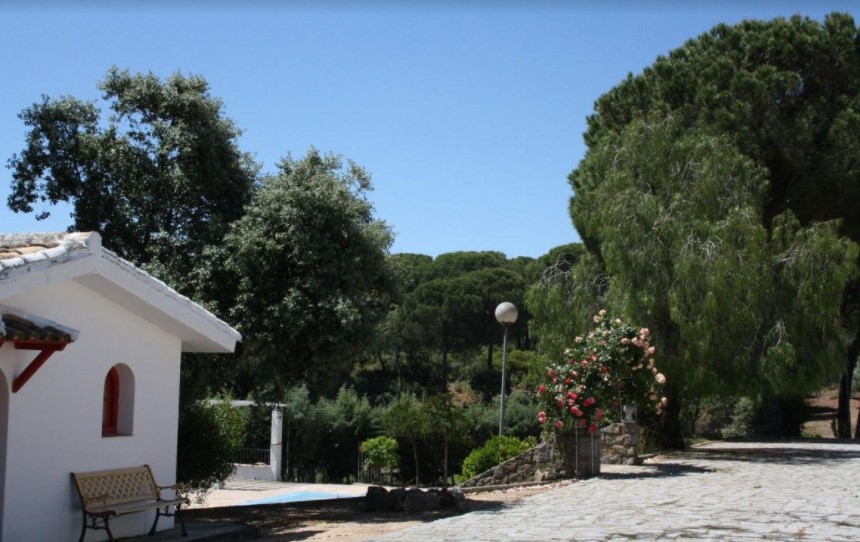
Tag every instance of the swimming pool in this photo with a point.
(297, 496)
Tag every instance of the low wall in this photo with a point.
(619, 445)
(252, 472)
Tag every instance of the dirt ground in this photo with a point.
(823, 413)
(345, 520)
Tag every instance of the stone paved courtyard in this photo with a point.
(719, 491)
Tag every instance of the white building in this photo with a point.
(89, 378)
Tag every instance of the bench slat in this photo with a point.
(132, 507)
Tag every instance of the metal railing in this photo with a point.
(253, 456)
(374, 475)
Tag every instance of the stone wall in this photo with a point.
(619, 445)
(535, 465)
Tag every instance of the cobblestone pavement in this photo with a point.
(719, 491)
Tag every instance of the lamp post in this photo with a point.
(506, 314)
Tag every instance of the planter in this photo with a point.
(579, 453)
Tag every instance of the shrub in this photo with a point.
(380, 452)
(210, 436)
(611, 366)
(494, 451)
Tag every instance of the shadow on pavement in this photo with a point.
(657, 470)
(774, 454)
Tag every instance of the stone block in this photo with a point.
(378, 499)
(398, 497)
(421, 501)
(450, 497)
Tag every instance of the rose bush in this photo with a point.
(614, 363)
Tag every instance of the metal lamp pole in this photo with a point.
(506, 314)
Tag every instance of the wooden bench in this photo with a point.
(111, 493)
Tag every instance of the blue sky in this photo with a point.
(469, 115)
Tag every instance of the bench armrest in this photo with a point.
(98, 499)
(177, 487)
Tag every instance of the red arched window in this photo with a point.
(110, 412)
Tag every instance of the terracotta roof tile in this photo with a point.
(20, 249)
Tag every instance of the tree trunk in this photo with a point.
(445, 466)
(415, 456)
(843, 412)
(671, 436)
(287, 451)
(445, 365)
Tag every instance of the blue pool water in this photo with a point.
(294, 496)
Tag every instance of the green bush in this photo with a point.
(380, 452)
(494, 451)
(210, 436)
(520, 416)
(745, 417)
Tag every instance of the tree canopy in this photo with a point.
(785, 92)
(307, 263)
(160, 178)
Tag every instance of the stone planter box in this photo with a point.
(580, 453)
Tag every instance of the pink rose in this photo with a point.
(625, 340)
(592, 428)
(541, 389)
(644, 332)
(599, 415)
(659, 377)
(576, 412)
(651, 351)
(558, 424)
(588, 402)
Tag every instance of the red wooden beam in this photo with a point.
(53, 346)
(47, 348)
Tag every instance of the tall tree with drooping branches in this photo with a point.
(778, 103)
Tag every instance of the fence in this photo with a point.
(374, 475)
(253, 456)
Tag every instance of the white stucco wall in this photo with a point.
(54, 425)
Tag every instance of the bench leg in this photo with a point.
(95, 526)
(83, 529)
(107, 528)
(166, 513)
(155, 523)
(181, 521)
